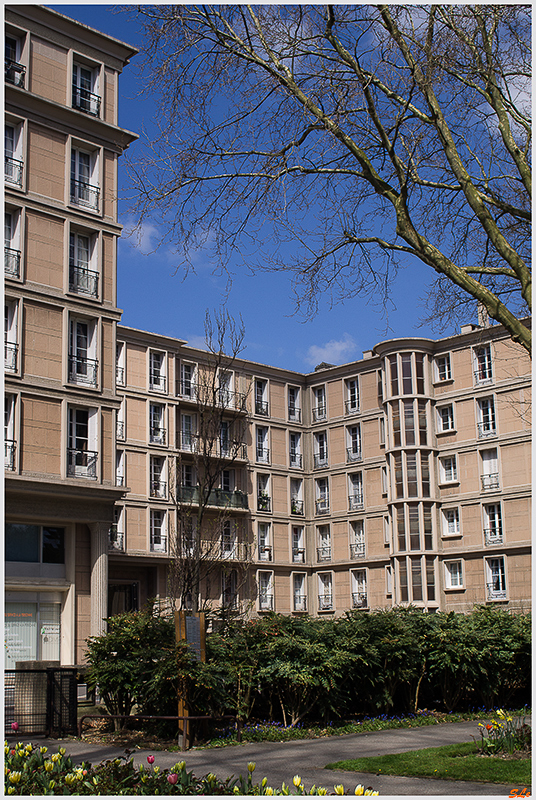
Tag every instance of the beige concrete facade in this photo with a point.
(403, 477)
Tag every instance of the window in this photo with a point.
(83, 277)
(388, 580)
(445, 419)
(382, 431)
(357, 539)
(325, 591)
(295, 456)
(261, 397)
(496, 578)
(493, 530)
(351, 405)
(320, 449)
(120, 363)
(120, 422)
(451, 522)
(264, 500)
(264, 541)
(355, 493)
(385, 480)
(323, 550)
(11, 337)
(157, 371)
(13, 160)
(83, 365)
(117, 530)
(294, 410)
(489, 470)
(482, 364)
(448, 469)
(158, 485)
(262, 450)
(15, 72)
(299, 594)
(225, 389)
(157, 429)
(158, 530)
(85, 190)
(486, 417)
(453, 575)
(228, 480)
(12, 251)
(322, 496)
(359, 588)
(353, 443)
(32, 630)
(386, 530)
(442, 368)
(34, 543)
(319, 403)
(187, 380)
(82, 455)
(266, 591)
(9, 432)
(120, 468)
(188, 490)
(298, 544)
(228, 540)
(296, 498)
(85, 97)
(123, 597)
(188, 439)
(225, 439)
(229, 592)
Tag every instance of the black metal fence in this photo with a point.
(41, 701)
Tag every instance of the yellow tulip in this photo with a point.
(251, 766)
(49, 766)
(296, 780)
(11, 790)
(359, 789)
(339, 789)
(62, 751)
(269, 790)
(69, 779)
(43, 750)
(55, 758)
(14, 777)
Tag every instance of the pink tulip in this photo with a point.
(150, 759)
(173, 778)
(14, 726)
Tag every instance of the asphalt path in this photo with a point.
(280, 761)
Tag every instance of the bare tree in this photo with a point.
(361, 134)
(211, 536)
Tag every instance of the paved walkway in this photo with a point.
(279, 761)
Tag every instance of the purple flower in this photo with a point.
(14, 726)
(172, 778)
(150, 759)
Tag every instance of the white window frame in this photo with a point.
(324, 545)
(264, 541)
(119, 467)
(260, 399)
(445, 418)
(483, 364)
(358, 578)
(489, 469)
(496, 578)
(454, 574)
(443, 373)
(229, 540)
(299, 592)
(356, 496)
(298, 544)
(353, 443)
(83, 455)
(14, 154)
(451, 522)
(84, 189)
(388, 580)
(320, 405)
(157, 476)
(493, 523)
(10, 443)
(356, 530)
(158, 530)
(293, 404)
(448, 469)
(83, 269)
(322, 495)
(325, 591)
(226, 388)
(157, 433)
(486, 417)
(12, 242)
(320, 449)
(83, 368)
(262, 451)
(265, 584)
(85, 99)
(158, 371)
(294, 450)
(351, 404)
(187, 382)
(120, 375)
(264, 497)
(11, 336)
(296, 497)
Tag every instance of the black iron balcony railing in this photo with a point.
(83, 370)
(264, 502)
(83, 280)
(322, 505)
(323, 553)
(120, 429)
(300, 602)
(294, 414)
(319, 412)
(261, 408)
(157, 435)
(353, 454)
(320, 460)
(351, 407)
(357, 550)
(265, 552)
(15, 73)
(86, 101)
(116, 538)
(490, 481)
(234, 450)
(493, 535)
(486, 428)
(355, 501)
(496, 590)
(266, 602)
(158, 489)
(9, 457)
(325, 602)
(13, 170)
(82, 463)
(12, 262)
(119, 375)
(296, 507)
(263, 455)
(157, 382)
(187, 441)
(187, 389)
(298, 555)
(85, 194)
(359, 600)
(226, 398)
(295, 459)
(11, 352)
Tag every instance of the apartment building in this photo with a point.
(131, 458)
(62, 142)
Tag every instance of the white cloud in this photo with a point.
(197, 341)
(144, 237)
(333, 352)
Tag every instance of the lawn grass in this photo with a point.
(456, 762)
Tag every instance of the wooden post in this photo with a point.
(189, 628)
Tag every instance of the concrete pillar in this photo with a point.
(99, 576)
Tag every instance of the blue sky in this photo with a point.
(156, 297)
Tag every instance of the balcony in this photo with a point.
(157, 435)
(217, 497)
(264, 502)
(119, 480)
(266, 602)
(357, 550)
(296, 460)
(83, 371)
(120, 429)
(325, 602)
(322, 505)
(300, 603)
(353, 454)
(351, 407)
(319, 412)
(11, 352)
(265, 553)
(296, 507)
(13, 169)
(323, 553)
(85, 194)
(188, 442)
(158, 489)
(294, 414)
(320, 460)
(11, 262)
(119, 375)
(490, 482)
(262, 455)
(228, 399)
(359, 600)
(495, 592)
(187, 390)
(483, 376)
(233, 450)
(261, 408)
(486, 429)
(15, 73)
(116, 538)
(493, 536)
(83, 281)
(86, 101)
(9, 451)
(157, 382)
(231, 551)
(82, 463)
(356, 502)
(298, 555)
